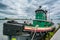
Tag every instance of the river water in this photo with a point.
(2, 37)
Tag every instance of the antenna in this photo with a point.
(40, 6)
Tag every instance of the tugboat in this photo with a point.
(36, 31)
(40, 22)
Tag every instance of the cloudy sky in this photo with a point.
(26, 8)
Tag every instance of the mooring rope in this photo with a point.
(34, 32)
